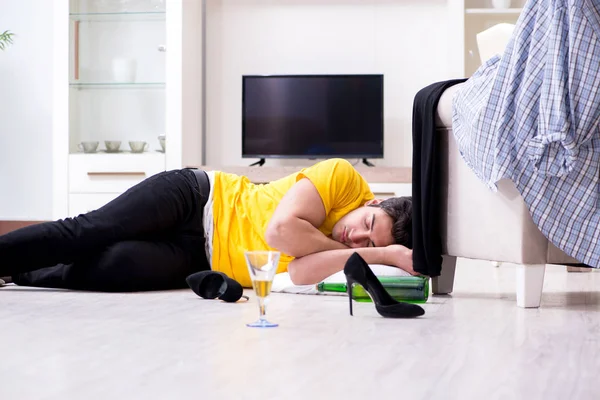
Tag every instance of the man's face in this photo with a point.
(364, 227)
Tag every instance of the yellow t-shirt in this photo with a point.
(242, 210)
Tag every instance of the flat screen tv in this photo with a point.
(312, 116)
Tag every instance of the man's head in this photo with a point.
(378, 223)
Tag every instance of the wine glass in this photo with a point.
(262, 266)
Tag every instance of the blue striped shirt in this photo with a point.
(532, 116)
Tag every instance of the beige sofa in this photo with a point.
(481, 224)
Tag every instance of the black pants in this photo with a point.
(148, 238)
(426, 178)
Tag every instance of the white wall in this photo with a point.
(406, 40)
(26, 111)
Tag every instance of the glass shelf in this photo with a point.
(119, 16)
(116, 84)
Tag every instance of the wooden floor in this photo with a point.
(475, 344)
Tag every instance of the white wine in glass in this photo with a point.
(262, 288)
(262, 266)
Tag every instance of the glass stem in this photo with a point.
(263, 308)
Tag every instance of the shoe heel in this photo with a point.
(349, 289)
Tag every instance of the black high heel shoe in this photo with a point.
(358, 271)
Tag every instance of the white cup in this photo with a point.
(112, 146)
(124, 69)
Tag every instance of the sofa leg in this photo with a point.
(530, 282)
(444, 283)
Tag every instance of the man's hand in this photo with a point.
(400, 257)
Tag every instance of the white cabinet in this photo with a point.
(469, 17)
(111, 173)
(126, 71)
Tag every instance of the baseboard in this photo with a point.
(8, 226)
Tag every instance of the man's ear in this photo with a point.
(372, 202)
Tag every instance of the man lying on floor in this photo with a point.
(180, 222)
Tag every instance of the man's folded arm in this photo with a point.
(293, 226)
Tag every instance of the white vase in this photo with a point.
(501, 3)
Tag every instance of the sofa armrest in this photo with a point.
(482, 224)
(443, 118)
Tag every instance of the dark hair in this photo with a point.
(400, 209)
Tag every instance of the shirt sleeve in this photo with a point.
(569, 105)
(339, 184)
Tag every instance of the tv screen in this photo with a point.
(312, 116)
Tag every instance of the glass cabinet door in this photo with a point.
(481, 15)
(117, 76)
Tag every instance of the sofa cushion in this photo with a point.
(443, 117)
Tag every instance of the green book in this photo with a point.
(410, 289)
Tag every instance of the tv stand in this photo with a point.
(260, 163)
(367, 163)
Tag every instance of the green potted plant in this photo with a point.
(6, 38)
